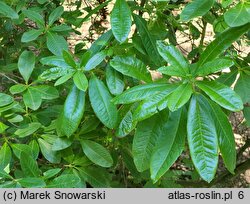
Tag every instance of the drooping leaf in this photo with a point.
(100, 100)
(97, 153)
(56, 43)
(222, 95)
(202, 138)
(114, 81)
(7, 11)
(26, 64)
(55, 14)
(72, 113)
(120, 19)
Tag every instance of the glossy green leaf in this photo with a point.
(5, 99)
(63, 79)
(46, 92)
(72, 113)
(32, 99)
(196, 8)
(55, 14)
(114, 81)
(51, 173)
(56, 61)
(131, 66)
(3, 174)
(55, 73)
(146, 135)
(95, 60)
(100, 100)
(31, 35)
(28, 129)
(61, 143)
(32, 182)
(120, 20)
(3, 127)
(19, 148)
(174, 57)
(214, 66)
(35, 148)
(221, 43)
(179, 96)
(170, 144)
(225, 136)
(17, 88)
(242, 87)
(202, 138)
(237, 15)
(7, 11)
(228, 78)
(80, 81)
(29, 165)
(35, 16)
(222, 95)
(56, 43)
(64, 181)
(48, 153)
(68, 58)
(5, 156)
(97, 153)
(26, 64)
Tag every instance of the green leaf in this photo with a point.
(148, 40)
(55, 14)
(31, 35)
(97, 153)
(246, 112)
(202, 138)
(5, 156)
(196, 8)
(95, 60)
(131, 66)
(69, 59)
(90, 123)
(63, 79)
(222, 95)
(221, 43)
(100, 100)
(114, 81)
(174, 57)
(32, 99)
(80, 80)
(5, 99)
(61, 143)
(17, 88)
(169, 146)
(35, 16)
(228, 78)
(7, 11)
(3, 174)
(120, 20)
(179, 96)
(56, 72)
(242, 87)
(51, 173)
(56, 43)
(29, 165)
(3, 127)
(57, 61)
(237, 15)
(26, 64)
(46, 92)
(140, 92)
(60, 28)
(19, 148)
(32, 182)
(28, 129)
(72, 113)
(146, 136)
(64, 181)
(48, 153)
(225, 136)
(214, 66)
(35, 148)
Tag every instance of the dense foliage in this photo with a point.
(71, 117)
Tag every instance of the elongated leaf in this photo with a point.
(48, 153)
(120, 19)
(100, 100)
(146, 135)
(29, 165)
(140, 92)
(56, 72)
(95, 60)
(80, 80)
(179, 96)
(35, 16)
(72, 113)
(170, 145)
(5, 99)
(7, 11)
(56, 61)
(31, 35)
(228, 78)
(32, 182)
(222, 95)
(56, 43)
(148, 40)
(97, 153)
(17, 88)
(28, 129)
(173, 56)
(26, 64)
(131, 66)
(238, 15)
(19, 148)
(114, 81)
(242, 87)
(3, 127)
(214, 66)
(46, 92)
(61, 143)
(51, 173)
(55, 15)
(170, 71)
(222, 42)
(32, 99)
(35, 148)
(196, 8)
(5, 156)
(69, 59)
(202, 138)
(64, 181)
(64, 78)
(225, 136)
